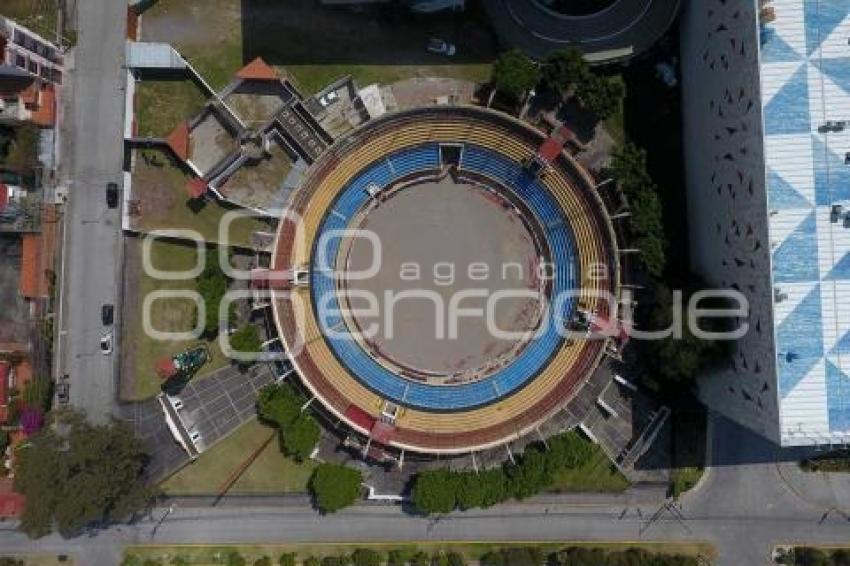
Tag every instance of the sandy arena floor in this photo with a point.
(445, 229)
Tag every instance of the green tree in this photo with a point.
(38, 392)
(67, 480)
(287, 559)
(420, 559)
(233, 558)
(603, 96)
(399, 557)
(212, 286)
(455, 559)
(300, 438)
(335, 487)
(563, 69)
(365, 557)
(514, 74)
(628, 168)
(22, 152)
(246, 340)
(435, 491)
(280, 404)
(530, 475)
(676, 361)
(312, 561)
(514, 556)
(264, 561)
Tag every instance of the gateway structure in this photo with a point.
(767, 129)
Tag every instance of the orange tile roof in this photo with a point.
(257, 70)
(11, 503)
(45, 115)
(196, 188)
(132, 24)
(178, 141)
(23, 374)
(33, 283)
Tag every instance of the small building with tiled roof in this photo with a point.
(257, 70)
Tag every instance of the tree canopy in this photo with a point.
(671, 360)
(628, 168)
(603, 96)
(563, 69)
(212, 285)
(77, 475)
(514, 73)
(280, 406)
(441, 491)
(246, 339)
(335, 487)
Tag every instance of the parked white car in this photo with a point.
(328, 98)
(441, 47)
(106, 343)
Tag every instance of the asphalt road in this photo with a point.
(634, 24)
(93, 233)
(742, 509)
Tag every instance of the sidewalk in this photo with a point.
(828, 490)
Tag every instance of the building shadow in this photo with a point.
(304, 32)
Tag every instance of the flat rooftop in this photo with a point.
(805, 83)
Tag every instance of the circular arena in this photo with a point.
(444, 295)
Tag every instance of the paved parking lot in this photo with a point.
(216, 405)
(149, 425)
(213, 406)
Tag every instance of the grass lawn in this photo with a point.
(159, 188)
(616, 127)
(837, 461)
(38, 15)
(162, 104)
(271, 472)
(286, 35)
(597, 474)
(312, 78)
(41, 559)
(471, 551)
(172, 315)
(689, 430)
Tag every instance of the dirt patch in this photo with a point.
(258, 183)
(190, 22)
(155, 179)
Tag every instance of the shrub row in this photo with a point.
(441, 491)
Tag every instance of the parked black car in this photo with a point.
(112, 195)
(107, 313)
